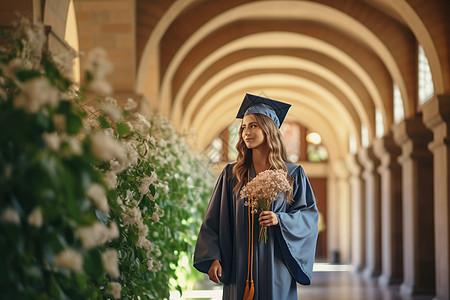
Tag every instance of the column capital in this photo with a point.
(413, 137)
(386, 150)
(368, 159)
(353, 165)
(436, 116)
(436, 111)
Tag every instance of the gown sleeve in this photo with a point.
(215, 235)
(298, 228)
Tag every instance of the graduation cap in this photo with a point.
(273, 109)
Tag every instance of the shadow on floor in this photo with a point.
(329, 282)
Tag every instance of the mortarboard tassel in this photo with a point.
(249, 286)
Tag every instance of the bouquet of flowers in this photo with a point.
(263, 190)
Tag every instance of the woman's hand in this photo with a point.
(267, 218)
(215, 271)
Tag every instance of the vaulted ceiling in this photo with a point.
(335, 61)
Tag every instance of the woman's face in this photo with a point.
(252, 134)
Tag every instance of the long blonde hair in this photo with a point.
(277, 152)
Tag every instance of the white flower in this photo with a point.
(101, 87)
(130, 126)
(35, 39)
(111, 100)
(75, 145)
(155, 216)
(150, 264)
(10, 215)
(110, 179)
(111, 263)
(99, 66)
(146, 182)
(144, 244)
(106, 147)
(97, 234)
(157, 265)
(36, 93)
(151, 197)
(52, 140)
(162, 143)
(70, 259)
(35, 218)
(97, 193)
(132, 153)
(115, 290)
(112, 111)
(59, 120)
(113, 232)
(69, 95)
(141, 124)
(130, 104)
(13, 66)
(157, 252)
(64, 60)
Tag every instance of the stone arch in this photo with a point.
(312, 11)
(147, 81)
(310, 116)
(441, 78)
(280, 62)
(292, 91)
(287, 40)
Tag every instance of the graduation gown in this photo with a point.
(286, 258)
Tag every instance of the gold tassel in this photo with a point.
(246, 291)
(250, 288)
(249, 291)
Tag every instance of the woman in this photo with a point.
(222, 249)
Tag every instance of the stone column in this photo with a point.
(332, 221)
(391, 210)
(372, 206)
(418, 212)
(341, 240)
(436, 116)
(357, 191)
(345, 225)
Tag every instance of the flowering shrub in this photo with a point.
(160, 185)
(95, 203)
(51, 241)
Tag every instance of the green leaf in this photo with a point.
(93, 264)
(122, 128)
(25, 75)
(103, 122)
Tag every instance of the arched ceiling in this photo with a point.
(335, 61)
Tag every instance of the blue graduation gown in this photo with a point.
(287, 257)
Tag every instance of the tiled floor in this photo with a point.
(329, 282)
(341, 283)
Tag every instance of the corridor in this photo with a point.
(329, 282)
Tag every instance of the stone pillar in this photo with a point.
(418, 212)
(332, 221)
(372, 206)
(436, 116)
(339, 238)
(345, 225)
(357, 191)
(391, 210)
